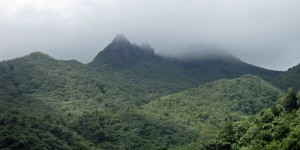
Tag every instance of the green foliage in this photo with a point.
(290, 101)
(207, 108)
(129, 129)
(289, 78)
(25, 131)
(266, 130)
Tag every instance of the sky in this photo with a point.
(265, 33)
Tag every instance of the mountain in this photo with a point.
(128, 97)
(289, 78)
(121, 53)
(135, 73)
(89, 106)
(152, 76)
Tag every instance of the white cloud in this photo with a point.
(15, 7)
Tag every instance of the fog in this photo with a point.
(265, 33)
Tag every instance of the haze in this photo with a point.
(265, 33)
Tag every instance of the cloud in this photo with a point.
(262, 32)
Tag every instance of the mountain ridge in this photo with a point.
(289, 78)
(152, 71)
(147, 73)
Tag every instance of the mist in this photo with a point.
(264, 33)
(199, 53)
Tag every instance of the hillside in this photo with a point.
(206, 108)
(100, 124)
(177, 120)
(20, 130)
(38, 82)
(276, 127)
(289, 78)
(73, 106)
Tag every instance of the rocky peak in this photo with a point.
(120, 38)
(120, 42)
(121, 52)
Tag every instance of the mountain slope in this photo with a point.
(40, 83)
(276, 127)
(177, 120)
(289, 78)
(206, 108)
(20, 130)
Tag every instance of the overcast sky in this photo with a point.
(261, 32)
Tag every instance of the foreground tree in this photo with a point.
(290, 101)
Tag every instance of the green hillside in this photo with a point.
(289, 78)
(89, 109)
(40, 83)
(20, 130)
(109, 123)
(276, 127)
(206, 108)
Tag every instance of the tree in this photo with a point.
(290, 101)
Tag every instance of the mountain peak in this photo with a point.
(120, 43)
(37, 56)
(120, 38)
(121, 52)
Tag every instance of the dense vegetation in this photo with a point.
(28, 131)
(129, 129)
(276, 127)
(130, 98)
(289, 79)
(206, 108)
